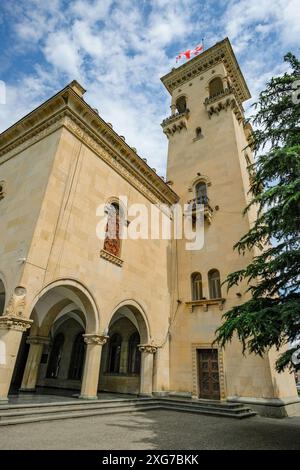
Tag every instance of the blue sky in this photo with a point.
(118, 50)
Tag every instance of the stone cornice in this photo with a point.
(220, 52)
(68, 109)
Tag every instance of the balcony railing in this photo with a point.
(226, 99)
(217, 96)
(175, 122)
(204, 200)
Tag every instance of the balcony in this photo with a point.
(205, 303)
(175, 123)
(193, 209)
(222, 101)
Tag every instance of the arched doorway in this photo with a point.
(63, 358)
(121, 363)
(55, 362)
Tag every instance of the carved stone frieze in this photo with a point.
(14, 323)
(17, 302)
(148, 348)
(111, 258)
(95, 339)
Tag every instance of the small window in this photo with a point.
(197, 293)
(201, 193)
(114, 355)
(134, 354)
(198, 133)
(215, 87)
(2, 189)
(214, 284)
(181, 104)
(112, 243)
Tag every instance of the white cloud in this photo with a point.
(63, 54)
(119, 49)
(243, 19)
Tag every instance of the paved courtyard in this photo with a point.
(155, 429)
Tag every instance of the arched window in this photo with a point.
(2, 297)
(197, 293)
(77, 358)
(214, 284)
(215, 87)
(114, 354)
(181, 104)
(134, 355)
(198, 132)
(2, 189)
(201, 193)
(55, 356)
(112, 243)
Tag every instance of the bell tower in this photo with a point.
(208, 155)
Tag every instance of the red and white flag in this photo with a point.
(189, 52)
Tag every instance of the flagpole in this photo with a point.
(203, 43)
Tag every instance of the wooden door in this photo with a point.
(208, 367)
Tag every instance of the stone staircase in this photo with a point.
(29, 413)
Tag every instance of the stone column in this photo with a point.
(33, 362)
(11, 329)
(92, 363)
(147, 350)
(173, 109)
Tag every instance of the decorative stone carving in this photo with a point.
(17, 302)
(223, 101)
(95, 339)
(14, 323)
(110, 257)
(175, 123)
(148, 348)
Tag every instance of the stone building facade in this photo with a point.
(126, 315)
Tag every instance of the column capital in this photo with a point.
(38, 340)
(148, 348)
(95, 339)
(10, 322)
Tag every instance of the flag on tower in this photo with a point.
(189, 52)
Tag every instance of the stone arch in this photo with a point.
(181, 103)
(136, 314)
(116, 200)
(200, 179)
(122, 365)
(65, 294)
(216, 86)
(2, 294)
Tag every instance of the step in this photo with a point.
(199, 403)
(71, 408)
(240, 413)
(77, 414)
(76, 402)
(27, 413)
